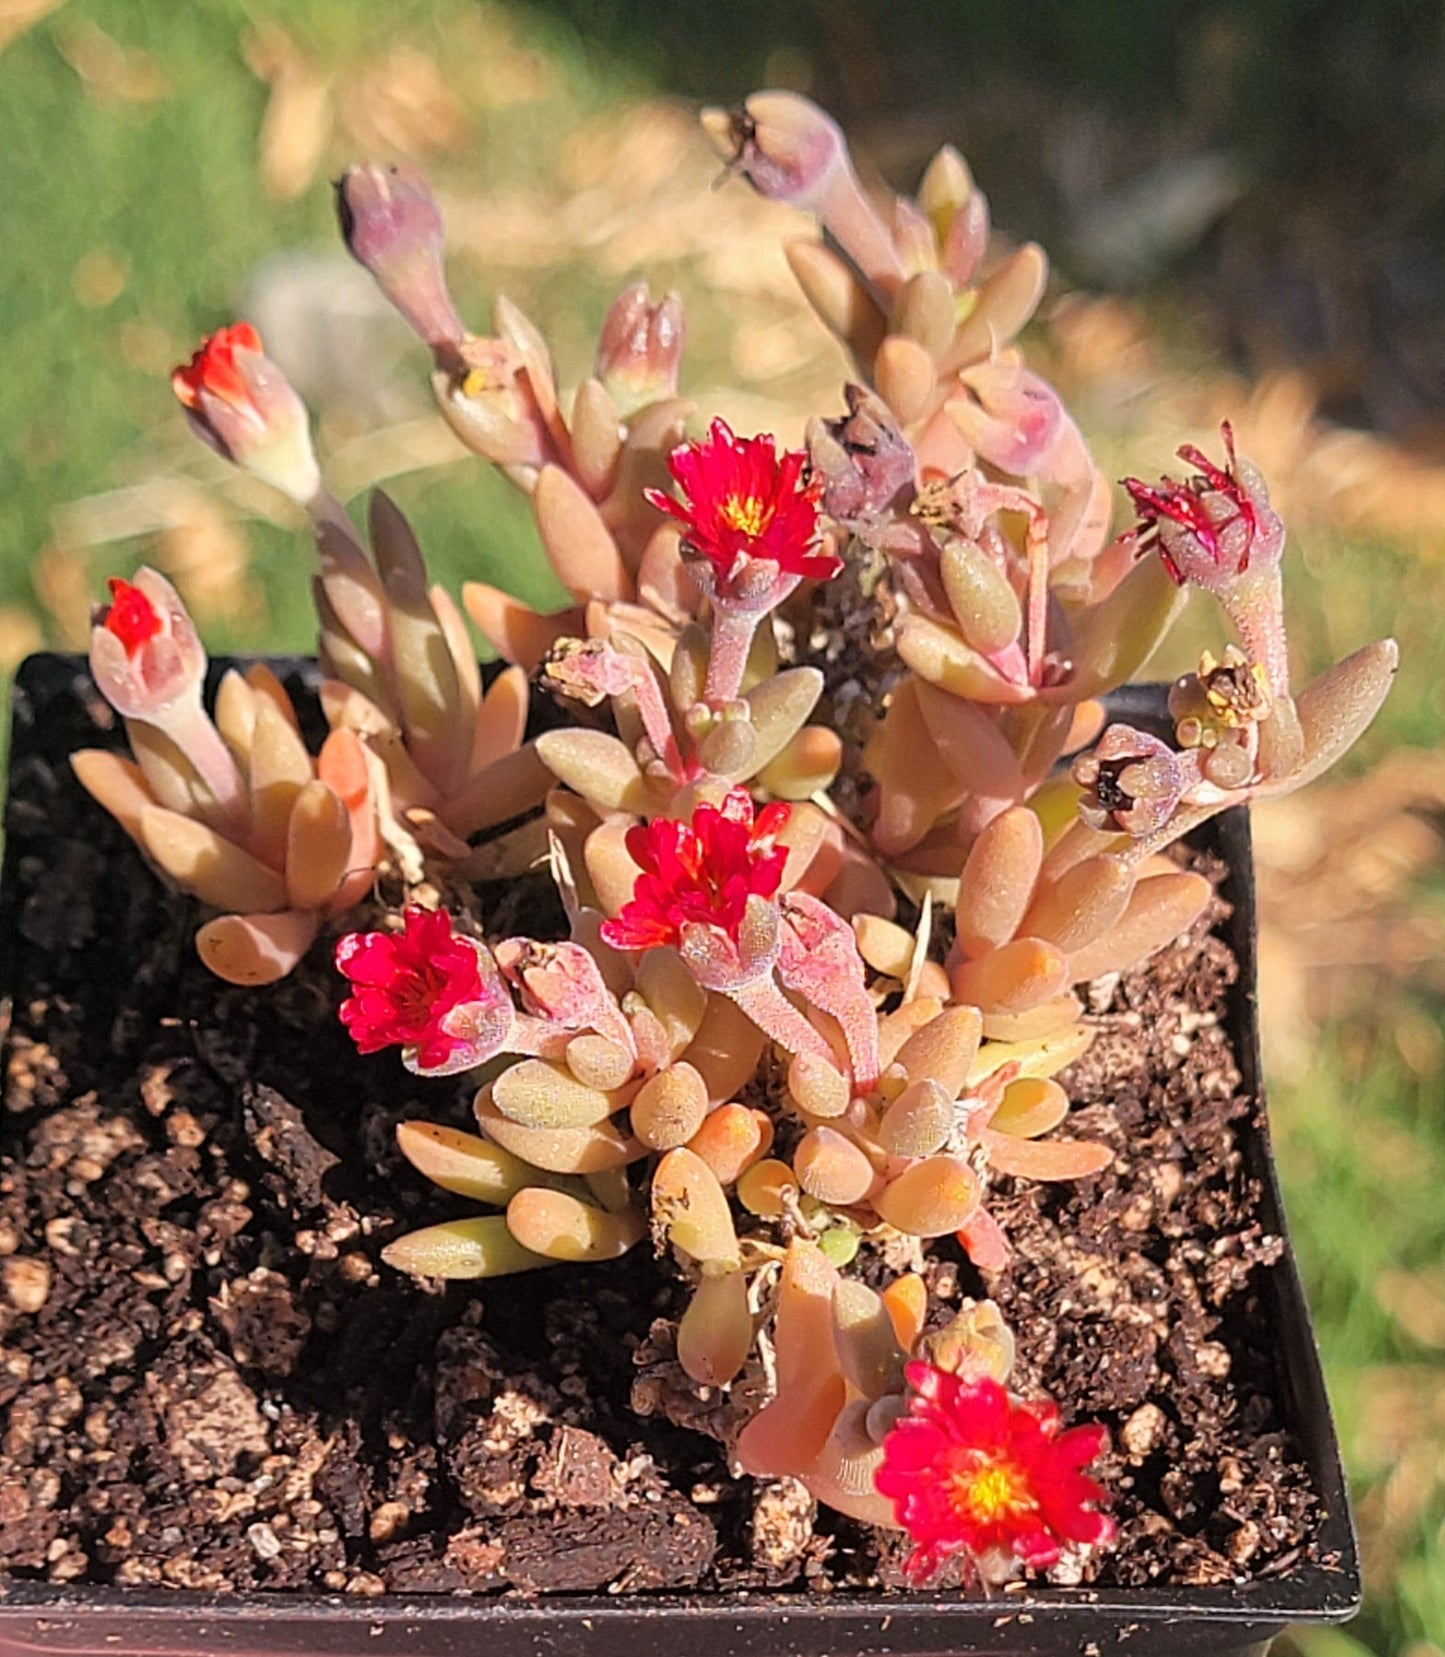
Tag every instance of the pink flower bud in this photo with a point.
(1016, 419)
(787, 148)
(239, 402)
(391, 223)
(640, 350)
(144, 652)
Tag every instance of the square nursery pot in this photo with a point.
(1175, 1621)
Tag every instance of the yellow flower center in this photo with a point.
(748, 514)
(987, 1493)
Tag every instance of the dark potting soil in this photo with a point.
(208, 1379)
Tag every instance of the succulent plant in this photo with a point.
(794, 1028)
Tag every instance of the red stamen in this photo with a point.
(1184, 503)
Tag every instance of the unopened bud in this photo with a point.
(150, 665)
(391, 223)
(640, 350)
(784, 145)
(240, 403)
(789, 150)
(144, 652)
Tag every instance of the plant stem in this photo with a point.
(732, 639)
(779, 1019)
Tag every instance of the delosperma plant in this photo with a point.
(819, 985)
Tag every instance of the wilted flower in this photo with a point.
(700, 873)
(425, 989)
(239, 402)
(862, 459)
(743, 502)
(1218, 711)
(1213, 527)
(1133, 781)
(970, 1470)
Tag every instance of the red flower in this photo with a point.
(406, 983)
(702, 872)
(741, 500)
(213, 369)
(1215, 510)
(131, 616)
(968, 1469)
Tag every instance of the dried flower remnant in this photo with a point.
(1218, 712)
(971, 1470)
(1132, 781)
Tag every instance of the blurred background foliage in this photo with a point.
(1246, 206)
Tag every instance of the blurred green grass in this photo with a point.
(132, 217)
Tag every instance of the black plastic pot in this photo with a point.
(1155, 1622)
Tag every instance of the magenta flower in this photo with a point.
(425, 989)
(700, 873)
(970, 1470)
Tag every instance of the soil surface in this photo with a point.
(207, 1378)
